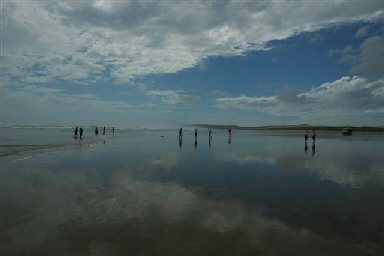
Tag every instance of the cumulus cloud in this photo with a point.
(94, 41)
(353, 95)
(368, 59)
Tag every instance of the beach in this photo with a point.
(143, 192)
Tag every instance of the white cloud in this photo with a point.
(362, 31)
(245, 102)
(89, 41)
(348, 97)
(172, 97)
(368, 59)
(33, 104)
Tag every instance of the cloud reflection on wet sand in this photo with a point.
(170, 205)
(144, 218)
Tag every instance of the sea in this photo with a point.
(147, 192)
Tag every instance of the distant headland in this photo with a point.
(298, 127)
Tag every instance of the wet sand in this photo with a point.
(15, 141)
(142, 193)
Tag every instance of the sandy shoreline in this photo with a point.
(15, 149)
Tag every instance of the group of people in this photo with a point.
(209, 135)
(80, 131)
(97, 130)
(313, 140)
(313, 136)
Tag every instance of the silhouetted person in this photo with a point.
(313, 149)
(113, 130)
(210, 134)
(81, 133)
(314, 135)
(96, 131)
(306, 136)
(104, 130)
(195, 135)
(181, 134)
(75, 136)
(229, 132)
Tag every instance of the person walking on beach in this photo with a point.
(104, 130)
(306, 136)
(195, 136)
(210, 135)
(314, 135)
(113, 130)
(81, 133)
(75, 136)
(181, 134)
(96, 131)
(229, 132)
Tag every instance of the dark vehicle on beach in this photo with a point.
(346, 131)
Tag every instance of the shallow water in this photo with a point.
(144, 193)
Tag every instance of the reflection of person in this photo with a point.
(314, 135)
(104, 130)
(81, 133)
(195, 137)
(96, 131)
(306, 148)
(313, 149)
(306, 136)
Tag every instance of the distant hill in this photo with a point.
(217, 126)
(292, 127)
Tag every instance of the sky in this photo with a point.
(166, 64)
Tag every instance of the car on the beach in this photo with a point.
(347, 131)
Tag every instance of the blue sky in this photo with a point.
(166, 64)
